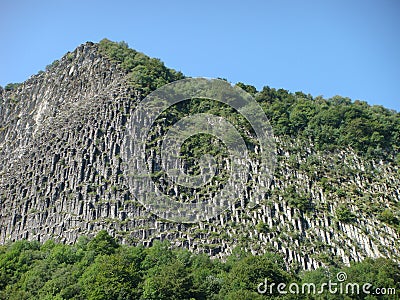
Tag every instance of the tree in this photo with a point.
(249, 272)
(344, 214)
(11, 86)
(103, 243)
(248, 88)
(170, 282)
(111, 277)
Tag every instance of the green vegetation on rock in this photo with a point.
(145, 74)
(331, 124)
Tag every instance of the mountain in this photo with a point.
(334, 197)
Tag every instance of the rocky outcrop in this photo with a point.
(61, 177)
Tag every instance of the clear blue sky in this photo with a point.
(349, 48)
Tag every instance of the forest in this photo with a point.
(100, 268)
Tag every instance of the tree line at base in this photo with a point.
(100, 268)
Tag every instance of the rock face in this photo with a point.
(61, 177)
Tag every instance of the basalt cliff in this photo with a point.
(61, 172)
